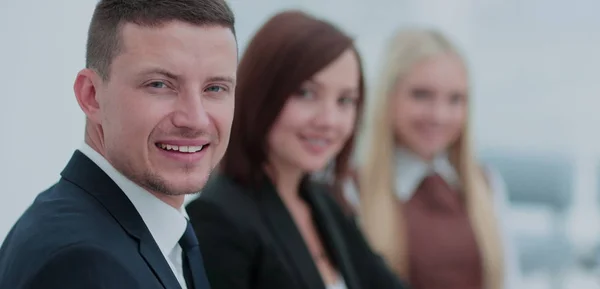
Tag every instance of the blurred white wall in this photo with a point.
(533, 63)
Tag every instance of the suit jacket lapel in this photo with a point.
(86, 174)
(283, 228)
(330, 232)
(154, 257)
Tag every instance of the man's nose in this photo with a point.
(191, 112)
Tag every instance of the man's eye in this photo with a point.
(214, 88)
(157, 84)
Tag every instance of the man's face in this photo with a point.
(165, 113)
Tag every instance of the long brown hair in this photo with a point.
(382, 221)
(286, 51)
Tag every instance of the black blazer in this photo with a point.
(249, 240)
(83, 232)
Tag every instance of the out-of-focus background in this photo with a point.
(533, 67)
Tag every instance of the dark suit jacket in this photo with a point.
(249, 240)
(82, 233)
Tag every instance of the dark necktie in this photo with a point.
(193, 267)
(437, 195)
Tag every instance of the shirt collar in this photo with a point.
(411, 170)
(165, 223)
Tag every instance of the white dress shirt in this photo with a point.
(165, 223)
(340, 284)
(410, 172)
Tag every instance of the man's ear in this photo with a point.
(85, 91)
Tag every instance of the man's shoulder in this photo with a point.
(63, 205)
(81, 263)
(54, 228)
(59, 217)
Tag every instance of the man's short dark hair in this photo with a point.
(104, 34)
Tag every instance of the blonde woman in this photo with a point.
(426, 204)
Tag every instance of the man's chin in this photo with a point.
(178, 188)
(186, 189)
(183, 183)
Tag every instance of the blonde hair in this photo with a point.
(381, 220)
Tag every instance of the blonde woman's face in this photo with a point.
(429, 106)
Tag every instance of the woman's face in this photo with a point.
(318, 119)
(430, 105)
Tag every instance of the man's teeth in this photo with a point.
(183, 149)
(317, 141)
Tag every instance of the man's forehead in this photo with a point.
(146, 50)
(132, 35)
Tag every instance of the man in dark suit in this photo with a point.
(158, 95)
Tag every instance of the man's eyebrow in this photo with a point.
(227, 79)
(160, 71)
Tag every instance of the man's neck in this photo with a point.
(173, 201)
